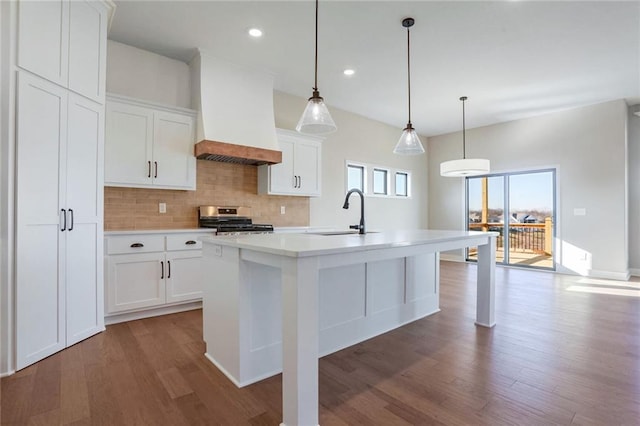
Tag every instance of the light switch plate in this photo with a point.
(283, 209)
(162, 207)
(580, 211)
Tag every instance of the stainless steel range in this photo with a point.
(230, 220)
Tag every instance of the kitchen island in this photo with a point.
(277, 302)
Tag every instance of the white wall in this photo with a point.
(367, 141)
(587, 146)
(634, 191)
(145, 75)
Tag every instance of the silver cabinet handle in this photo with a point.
(136, 245)
(161, 270)
(71, 226)
(149, 168)
(169, 266)
(156, 174)
(190, 242)
(299, 181)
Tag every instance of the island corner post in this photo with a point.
(300, 381)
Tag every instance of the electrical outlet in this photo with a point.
(283, 209)
(162, 207)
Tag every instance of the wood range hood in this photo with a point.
(235, 105)
(239, 154)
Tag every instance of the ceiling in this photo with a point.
(513, 59)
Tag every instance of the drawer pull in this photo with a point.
(135, 245)
(190, 242)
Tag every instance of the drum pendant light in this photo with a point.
(409, 143)
(466, 166)
(316, 119)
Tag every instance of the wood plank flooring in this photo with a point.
(565, 351)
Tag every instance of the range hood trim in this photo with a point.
(239, 154)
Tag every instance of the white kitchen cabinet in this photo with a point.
(135, 281)
(299, 172)
(65, 42)
(148, 145)
(59, 222)
(184, 279)
(147, 271)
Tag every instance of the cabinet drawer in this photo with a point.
(128, 244)
(184, 241)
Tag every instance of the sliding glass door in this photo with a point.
(521, 208)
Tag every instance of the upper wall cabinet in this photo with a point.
(300, 170)
(65, 42)
(148, 145)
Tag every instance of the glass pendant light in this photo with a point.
(465, 166)
(316, 119)
(409, 143)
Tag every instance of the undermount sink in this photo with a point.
(328, 233)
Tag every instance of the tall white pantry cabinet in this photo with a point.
(60, 95)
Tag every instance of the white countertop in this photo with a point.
(160, 231)
(311, 244)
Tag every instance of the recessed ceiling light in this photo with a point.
(255, 32)
(349, 71)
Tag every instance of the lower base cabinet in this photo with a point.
(147, 271)
(135, 281)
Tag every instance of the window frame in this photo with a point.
(407, 181)
(363, 167)
(386, 181)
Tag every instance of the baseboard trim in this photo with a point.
(610, 275)
(634, 272)
(154, 312)
(451, 257)
(7, 373)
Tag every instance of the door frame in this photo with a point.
(506, 187)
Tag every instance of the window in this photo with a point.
(355, 177)
(402, 184)
(380, 181)
(376, 180)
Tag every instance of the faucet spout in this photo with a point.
(360, 227)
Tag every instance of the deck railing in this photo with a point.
(525, 237)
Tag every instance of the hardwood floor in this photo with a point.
(565, 351)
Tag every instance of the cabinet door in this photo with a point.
(174, 163)
(184, 276)
(281, 179)
(87, 48)
(41, 109)
(84, 267)
(129, 137)
(135, 281)
(307, 168)
(43, 29)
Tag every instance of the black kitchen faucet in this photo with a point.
(360, 227)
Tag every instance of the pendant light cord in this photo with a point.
(409, 74)
(464, 131)
(315, 87)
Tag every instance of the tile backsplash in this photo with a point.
(217, 184)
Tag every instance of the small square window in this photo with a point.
(355, 177)
(402, 187)
(380, 181)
